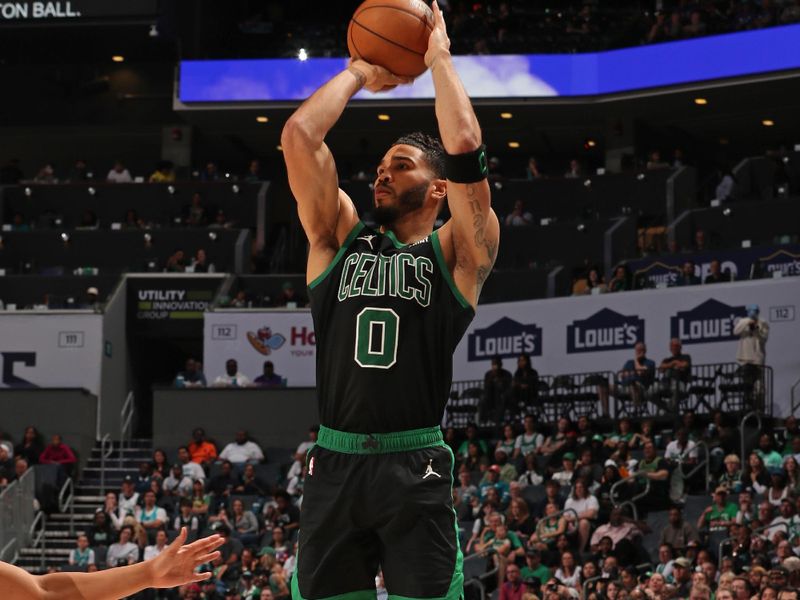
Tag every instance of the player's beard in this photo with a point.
(410, 200)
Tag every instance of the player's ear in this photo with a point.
(439, 189)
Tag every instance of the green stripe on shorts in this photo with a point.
(379, 443)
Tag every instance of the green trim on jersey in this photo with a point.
(342, 249)
(456, 589)
(360, 595)
(379, 443)
(437, 250)
(397, 243)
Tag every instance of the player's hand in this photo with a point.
(177, 563)
(376, 78)
(438, 43)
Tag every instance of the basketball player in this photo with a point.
(389, 306)
(173, 567)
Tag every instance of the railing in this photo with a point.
(631, 501)
(106, 449)
(557, 515)
(66, 502)
(12, 543)
(586, 584)
(125, 425)
(795, 403)
(38, 536)
(705, 463)
(747, 417)
(16, 515)
(752, 533)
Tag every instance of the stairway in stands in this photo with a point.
(89, 496)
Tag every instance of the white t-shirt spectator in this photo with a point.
(240, 453)
(193, 471)
(302, 448)
(122, 554)
(127, 506)
(573, 581)
(582, 505)
(528, 443)
(673, 452)
(182, 486)
(119, 177)
(564, 477)
(150, 552)
(238, 380)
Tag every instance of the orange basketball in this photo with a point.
(391, 33)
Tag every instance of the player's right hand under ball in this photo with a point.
(377, 79)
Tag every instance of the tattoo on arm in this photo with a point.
(361, 79)
(479, 226)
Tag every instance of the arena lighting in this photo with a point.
(727, 212)
(171, 190)
(91, 191)
(212, 235)
(640, 177)
(383, 117)
(147, 238)
(28, 192)
(768, 122)
(513, 144)
(235, 188)
(118, 58)
(302, 54)
(153, 32)
(506, 115)
(262, 119)
(590, 143)
(587, 183)
(65, 237)
(700, 101)
(581, 227)
(279, 148)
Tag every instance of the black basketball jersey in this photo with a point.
(387, 318)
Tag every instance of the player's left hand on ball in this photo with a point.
(177, 563)
(438, 42)
(377, 78)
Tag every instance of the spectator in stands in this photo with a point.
(506, 443)
(548, 529)
(529, 440)
(678, 533)
(720, 515)
(79, 172)
(587, 509)
(621, 280)
(491, 479)
(191, 376)
(656, 470)
(196, 215)
(556, 441)
(575, 171)
(245, 524)
(513, 588)
(242, 450)
(185, 518)
(164, 173)
(682, 455)
(524, 384)
(282, 512)
(201, 502)
(716, 274)
(6, 466)
(143, 478)
(150, 516)
(31, 447)
(289, 297)
(753, 333)
(152, 551)
(210, 172)
(755, 475)
(565, 476)
(176, 483)
(253, 174)
(132, 220)
(594, 283)
(655, 163)
(232, 377)
(119, 174)
(124, 551)
(622, 531)
(100, 532)
(191, 469)
(518, 216)
(687, 276)
(731, 477)
(82, 555)
(220, 221)
(200, 449)
(46, 174)
(18, 223)
(726, 189)
(201, 264)
(58, 453)
(305, 446)
(176, 263)
(532, 170)
(269, 378)
(637, 375)
(223, 484)
(676, 371)
(696, 26)
(496, 392)
(128, 498)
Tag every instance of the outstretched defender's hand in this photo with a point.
(177, 563)
(438, 43)
(376, 78)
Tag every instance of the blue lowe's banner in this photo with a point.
(763, 261)
(513, 76)
(505, 338)
(711, 321)
(605, 330)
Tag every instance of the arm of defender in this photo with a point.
(326, 213)
(473, 232)
(173, 567)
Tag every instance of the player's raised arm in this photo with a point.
(474, 231)
(175, 566)
(326, 212)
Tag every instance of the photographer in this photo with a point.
(753, 333)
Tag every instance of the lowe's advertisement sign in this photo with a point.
(598, 333)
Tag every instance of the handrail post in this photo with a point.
(747, 417)
(125, 422)
(106, 449)
(794, 406)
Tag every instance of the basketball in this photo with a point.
(391, 33)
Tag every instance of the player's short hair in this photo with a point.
(430, 146)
